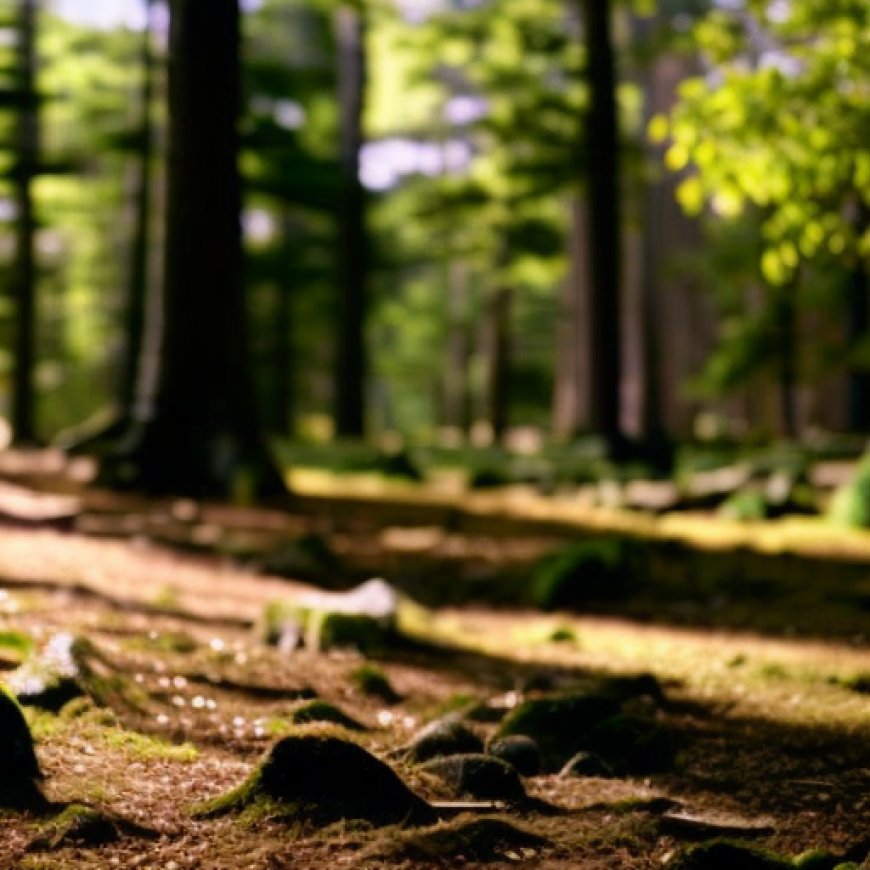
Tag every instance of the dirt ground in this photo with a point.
(773, 730)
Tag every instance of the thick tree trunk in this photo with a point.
(199, 433)
(571, 374)
(25, 270)
(603, 184)
(858, 328)
(350, 355)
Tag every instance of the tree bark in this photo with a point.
(199, 433)
(25, 269)
(571, 374)
(350, 355)
(603, 184)
(857, 326)
(496, 347)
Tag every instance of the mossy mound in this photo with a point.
(632, 745)
(68, 667)
(19, 770)
(725, 855)
(560, 726)
(585, 572)
(322, 711)
(485, 840)
(443, 737)
(316, 774)
(850, 506)
(519, 751)
(373, 682)
(84, 826)
(483, 777)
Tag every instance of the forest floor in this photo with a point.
(766, 701)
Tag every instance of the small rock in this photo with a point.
(559, 725)
(444, 737)
(586, 764)
(520, 751)
(724, 855)
(484, 777)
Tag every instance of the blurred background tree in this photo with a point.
(455, 226)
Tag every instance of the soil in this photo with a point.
(772, 721)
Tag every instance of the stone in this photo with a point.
(479, 776)
(725, 855)
(520, 751)
(586, 764)
(443, 737)
(559, 725)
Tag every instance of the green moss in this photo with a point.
(317, 710)
(372, 681)
(80, 825)
(584, 572)
(17, 643)
(727, 855)
(144, 747)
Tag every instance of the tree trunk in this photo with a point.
(199, 433)
(455, 394)
(603, 184)
(571, 375)
(786, 326)
(25, 269)
(350, 355)
(857, 326)
(496, 347)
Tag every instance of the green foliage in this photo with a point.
(785, 136)
(850, 506)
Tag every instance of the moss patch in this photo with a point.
(486, 840)
(83, 826)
